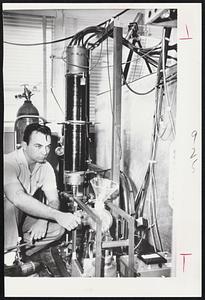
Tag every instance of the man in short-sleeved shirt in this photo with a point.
(25, 172)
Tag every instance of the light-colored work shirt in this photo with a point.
(16, 170)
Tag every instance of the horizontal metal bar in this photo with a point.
(114, 244)
(119, 211)
(86, 208)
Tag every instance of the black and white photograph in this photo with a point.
(101, 148)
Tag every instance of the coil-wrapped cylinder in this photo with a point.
(75, 129)
(76, 113)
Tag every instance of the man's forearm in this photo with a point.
(33, 207)
(54, 204)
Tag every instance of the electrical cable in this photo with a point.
(133, 60)
(60, 40)
(144, 234)
(161, 136)
(39, 44)
(101, 93)
(154, 208)
(149, 184)
(165, 85)
(109, 81)
(88, 30)
(137, 93)
(99, 58)
(151, 231)
(134, 72)
(90, 37)
(52, 92)
(131, 186)
(133, 80)
(116, 16)
(154, 144)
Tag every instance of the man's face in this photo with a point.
(38, 147)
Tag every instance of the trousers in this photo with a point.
(14, 227)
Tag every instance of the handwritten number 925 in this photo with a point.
(193, 156)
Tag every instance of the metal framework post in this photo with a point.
(128, 242)
(97, 220)
(44, 69)
(116, 107)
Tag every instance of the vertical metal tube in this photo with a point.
(98, 255)
(74, 232)
(116, 125)
(44, 70)
(131, 247)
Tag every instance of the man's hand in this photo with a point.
(67, 220)
(38, 230)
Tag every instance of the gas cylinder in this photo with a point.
(26, 114)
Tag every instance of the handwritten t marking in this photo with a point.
(184, 255)
(188, 37)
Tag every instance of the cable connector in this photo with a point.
(152, 161)
(141, 223)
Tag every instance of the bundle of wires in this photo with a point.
(147, 194)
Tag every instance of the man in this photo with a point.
(25, 171)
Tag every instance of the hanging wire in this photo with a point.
(56, 100)
(66, 38)
(144, 55)
(165, 85)
(155, 196)
(151, 217)
(143, 236)
(39, 44)
(137, 93)
(172, 101)
(98, 60)
(109, 80)
(149, 186)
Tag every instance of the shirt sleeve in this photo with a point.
(49, 181)
(10, 173)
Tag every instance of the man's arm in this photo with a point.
(15, 193)
(52, 199)
(39, 229)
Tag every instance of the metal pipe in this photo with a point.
(116, 124)
(131, 246)
(44, 68)
(114, 244)
(96, 218)
(131, 223)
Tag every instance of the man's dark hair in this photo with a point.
(35, 127)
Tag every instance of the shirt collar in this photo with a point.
(22, 160)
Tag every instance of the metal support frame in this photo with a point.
(97, 220)
(116, 211)
(129, 242)
(45, 106)
(116, 109)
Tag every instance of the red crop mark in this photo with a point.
(188, 37)
(184, 260)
